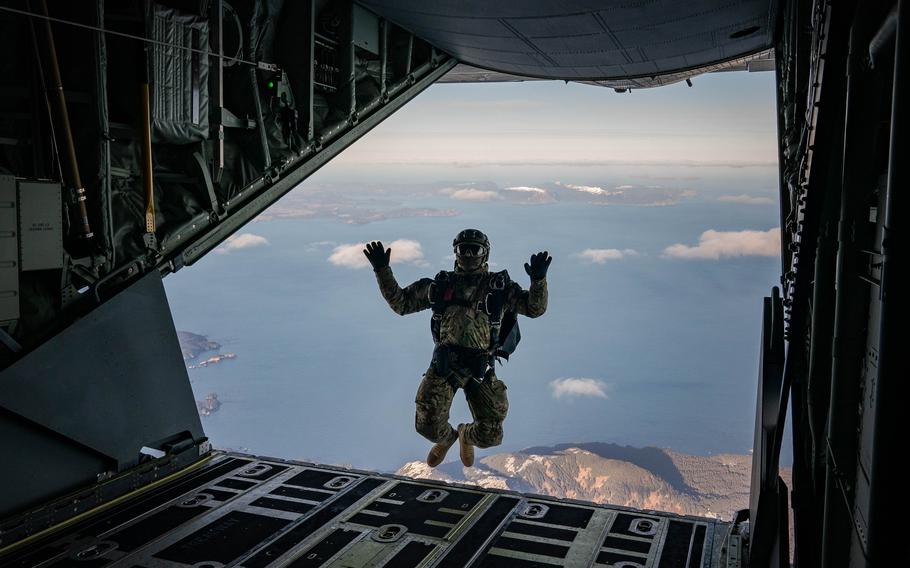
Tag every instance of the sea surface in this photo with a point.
(326, 372)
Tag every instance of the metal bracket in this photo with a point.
(534, 511)
(217, 209)
(389, 533)
(433, 496)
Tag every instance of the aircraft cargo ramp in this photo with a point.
(238, 510)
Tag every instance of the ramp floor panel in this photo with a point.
(256, 512)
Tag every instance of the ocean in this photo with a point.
(326, 372)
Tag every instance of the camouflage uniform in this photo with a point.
(466, 329)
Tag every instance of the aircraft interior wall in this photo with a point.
(174, 124)
(842, 132)
(297, 83)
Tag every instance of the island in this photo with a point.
(208, 405)
(192, 344)
(212, 360)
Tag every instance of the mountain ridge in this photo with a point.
(642, 478)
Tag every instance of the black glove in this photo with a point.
(540, 262)
(378, 255)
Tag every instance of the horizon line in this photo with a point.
(580, 163)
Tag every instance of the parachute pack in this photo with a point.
(504, 332)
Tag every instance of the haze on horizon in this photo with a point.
(724, 118)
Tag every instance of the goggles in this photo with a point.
(470, 249)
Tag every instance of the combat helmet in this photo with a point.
(472, 249)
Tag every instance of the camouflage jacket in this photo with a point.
(461, 325)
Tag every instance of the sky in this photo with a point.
(653, 332)
(723, 118)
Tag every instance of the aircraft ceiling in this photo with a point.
(586, 40)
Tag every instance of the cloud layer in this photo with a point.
(714, 245)
(241, 242)
(474, 195)
(403, 251)
(576, 387)
(747, 199)
(587, 189)
(601, 256)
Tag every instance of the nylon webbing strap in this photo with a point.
(209, 186)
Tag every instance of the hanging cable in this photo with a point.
(47, 103)
(233, 60)
(75, 180)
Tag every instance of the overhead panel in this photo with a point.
(41, 225)
(589, 41)
(365, 30)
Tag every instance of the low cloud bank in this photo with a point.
(242, 241)
(404, 251)
(577, 387)
(714, 245)
(601, 256)
(474, 195)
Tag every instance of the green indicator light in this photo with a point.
(271, 84)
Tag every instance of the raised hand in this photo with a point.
(377, 254)
(540, 262)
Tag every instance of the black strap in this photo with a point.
(438, 288)
(477, 361)
(209, 186)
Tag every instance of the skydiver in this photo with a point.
(473, 323)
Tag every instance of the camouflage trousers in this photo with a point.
(487, 401)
